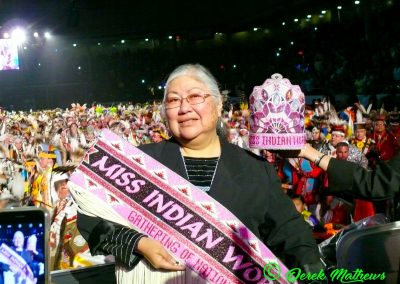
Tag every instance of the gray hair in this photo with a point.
(198, 72)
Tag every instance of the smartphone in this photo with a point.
(24, 235)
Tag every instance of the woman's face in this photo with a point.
(192, 122)
(18, 239)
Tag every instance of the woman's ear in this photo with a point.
(219, 108)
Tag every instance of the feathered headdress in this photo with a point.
(360, 122)
(394, 117)
(338, 126)
(323, 112)
(382, 114)
(78, 109)
(364, 112)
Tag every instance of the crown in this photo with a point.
(277, 115)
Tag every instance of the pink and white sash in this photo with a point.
(22, 273)
(154, 200)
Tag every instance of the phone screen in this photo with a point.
(23, 240)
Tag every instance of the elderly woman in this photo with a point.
(239, 180)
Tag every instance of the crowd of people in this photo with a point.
(40, 149)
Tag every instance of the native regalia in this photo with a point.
(303, 175)
(386, 144)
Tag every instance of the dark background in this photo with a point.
(93, 18)
(112, 51)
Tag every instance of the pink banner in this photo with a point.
(161, 204)
(277, 141)
(23, 273)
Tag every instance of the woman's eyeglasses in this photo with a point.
(192, 99)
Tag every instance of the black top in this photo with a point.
(201, 171)
(381, 183)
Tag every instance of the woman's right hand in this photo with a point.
(304, 151)
(308, 152)
(157, 255)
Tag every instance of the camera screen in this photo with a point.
(22, 253)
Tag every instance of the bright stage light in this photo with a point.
(6, 35)
(36, 34)
(47, 35)
(18, 35)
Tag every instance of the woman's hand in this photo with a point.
(157, 255)
(315, 156)
(304, 151)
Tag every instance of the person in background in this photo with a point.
(334, 211)
(363, 144)
(234, 138)
(244, 135)
(362, 208)
(18, 243)
(301, 207)
(386, 146)
(317, 138)
(41, 194)
(66, 243)
(338, 135)
(156, 137)
(36, 257)
(385, 143)
(16, 151)
(271, 158)
(8, 200)
(304, 177)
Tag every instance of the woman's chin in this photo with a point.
(188, 136)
